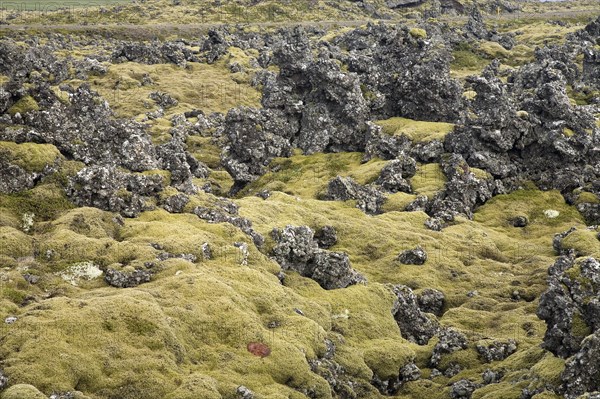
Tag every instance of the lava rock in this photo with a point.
(415, 325)
(326, 237)
(570, 306)
(109, 189)
(121, 279)
(416, 256)
(463, 389)
(393, 175)
(176, 203)
(497, 350)
(450, 341)
(582, 371)
(368, 199)
(297, 250)
(431, 301)
(520, 221)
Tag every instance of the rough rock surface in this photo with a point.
(570, 306)
(450, 340)
(414, 325)
(112, 190)
(416, 256)
(582, 371)
(431, 301)
(122, 279)
(297, 250)
(368, 199)
(497, 350)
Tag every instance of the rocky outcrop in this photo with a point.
(110, 189)
(582, 371)
(462, 193)
(570, 306)
(431, 301)
(450, 341)
(229, 214)
(423, 90)
(415, 325)
(394, 175)
(14, 178)
(154, 53)
(86, 130)
(528, 129)
(123, 279)
(416, 256)
(297, 250)
(497, 350)
(368, 199)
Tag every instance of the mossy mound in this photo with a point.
(31, 157)
(23, 391)
(24, 105)
(417, 131)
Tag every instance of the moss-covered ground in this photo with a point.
(184, 335)
(187, 330)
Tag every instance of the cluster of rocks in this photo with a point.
(229, 214)
(155, 53)
(297, 249)
(571, 309)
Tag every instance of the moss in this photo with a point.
(579, 327)
(549, 369)
(417, 131)
(45, 201)
(23, 391)
(307, 176)
(418, 33)
(428, 180)
(397, 202)
(31, 157)
(24, 105)
(585, 196)
(15, 243)
(568, 132)
(386, 357)
(502, 390)
(196, 386)
(583, 241)
(204, 150)
(198, 86)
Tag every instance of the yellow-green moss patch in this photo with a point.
(417, 131)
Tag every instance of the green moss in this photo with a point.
(205, 150)
(549, 369)
(15, 243)
(579, 327)
(385, 357)
(308, 175)
(588, 197)
(31, 157)
(583, 241)
(24, 105)
(418, 33)
(417, 131)
(568, 132)
(23, 391)
(196, 386)
(428, 180)
(45, 201)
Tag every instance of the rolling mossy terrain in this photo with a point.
(406, 209)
